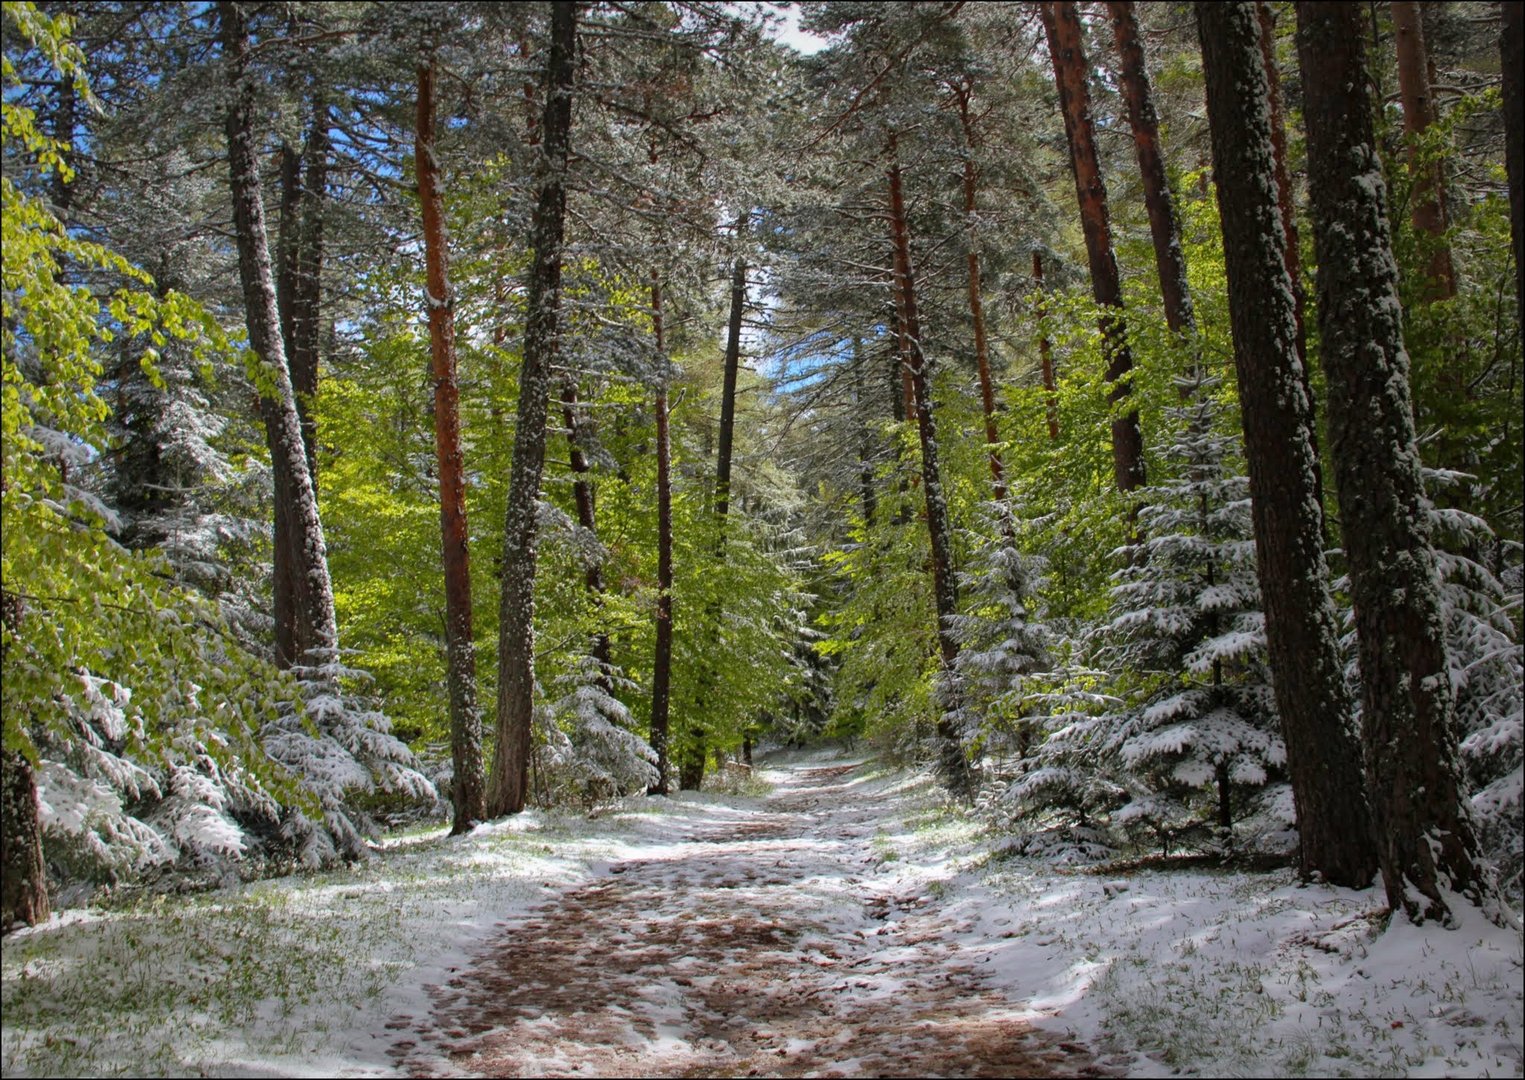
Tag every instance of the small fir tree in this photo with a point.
(1198, 739)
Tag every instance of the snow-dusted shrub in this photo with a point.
(1481, 606)
(1199, 734)
(589, 752)
(1003, 643)
(339, 748)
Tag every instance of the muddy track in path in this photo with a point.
(759, 948)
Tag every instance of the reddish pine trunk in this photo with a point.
(1065, 46)
(962, 94)
(1302, 635)
(1046, 351)
(467, 787)
(508, 786)
(661, 670)
(953, 763)
(1164, 224)
(315, 633)
(1424, 835)
(1427, 208)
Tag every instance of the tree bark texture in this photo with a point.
(1164, 222)
(315, 631)
(1302, 630)
(1512, 54)
(508, 786)
(1424, 835)
(23, 875)
(1284, 200)
(952, 762)
(1427, 206)
(661, 668)
(1292, 250)
(468, 784)
(1066, 48)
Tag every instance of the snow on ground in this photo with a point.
(840, 899)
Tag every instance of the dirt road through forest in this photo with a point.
(765, 944)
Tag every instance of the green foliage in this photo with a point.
(133, 684)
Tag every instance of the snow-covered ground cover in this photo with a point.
(295, 976)
(909, 905)
(1226, 973)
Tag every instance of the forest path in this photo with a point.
(758, 946)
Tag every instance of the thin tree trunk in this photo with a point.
(467, 787)
(316, 633)
(661, 669)
(728, 393)
(1302, 630)
(952, 762)
(1062, 23)
(1512, 54)
(508, 786)
(1427, 208)
(1164, 222)
(306, 311)
(865, 446)
(1046, 352)
(907, 407)
(1425, 840)
(587, 517)
(962, 94)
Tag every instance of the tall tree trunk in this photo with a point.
(23, 874)
(1164, 223)
(298, 293)
(468, 785)
(1302, 631)
(1292, 249)
(865, 445)
(728, 393)
(963, 92)
(508, 786)
(1512, 54)
(661, 669)
(1424, 835)
(307, 305)
(1065, 46)
(1427, 208)
(583, 496)
(1046, 352)
(951, 760)
(315, 637)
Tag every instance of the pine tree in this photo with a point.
(1201, 736)
(1424, 834)
(508, 784)
(1322, 756)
